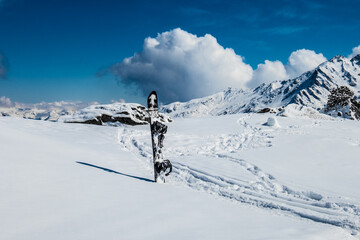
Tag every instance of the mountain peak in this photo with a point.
(356, 59)
(337, 58)
(311, 89)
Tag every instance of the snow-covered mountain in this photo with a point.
(40, 111)
(311, 89)
(112, 114)
(36, 114)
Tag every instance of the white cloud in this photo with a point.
(182, 66)
(299, 61)
(5, 102)
(355, 51)
(120, 100)
(268, 72)
(303, 60)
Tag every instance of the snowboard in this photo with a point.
(162, 167)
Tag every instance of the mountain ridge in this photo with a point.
(310, 89)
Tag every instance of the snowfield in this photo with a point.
(234, 177)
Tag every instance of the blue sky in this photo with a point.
(55, 48)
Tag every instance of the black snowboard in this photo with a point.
(158, 131)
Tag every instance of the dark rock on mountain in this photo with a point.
(112, 114)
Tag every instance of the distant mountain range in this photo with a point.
(311, 89)
(41, 111)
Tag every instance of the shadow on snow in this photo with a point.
(112, 171)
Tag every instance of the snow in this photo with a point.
(132, 111)
(272, 122)
(112, 114)
(233, 178)
(295, 110)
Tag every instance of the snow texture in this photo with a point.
(272, 122)
(232, 178)
(221, 168)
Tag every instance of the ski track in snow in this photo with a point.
(264, 192)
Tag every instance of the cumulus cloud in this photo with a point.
(182, 66)
(299, 61)
(303, 60)
(355, 51)
(4, 66)
(5, 102)
(268, 72)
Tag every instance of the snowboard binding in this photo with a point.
(160, 130)
(163, 166)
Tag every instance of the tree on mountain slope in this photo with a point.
(341, 102)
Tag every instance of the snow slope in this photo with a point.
(234, 178)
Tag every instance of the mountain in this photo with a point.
(307, 94)
(112, 114)
(38, 111)
(311, 89)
